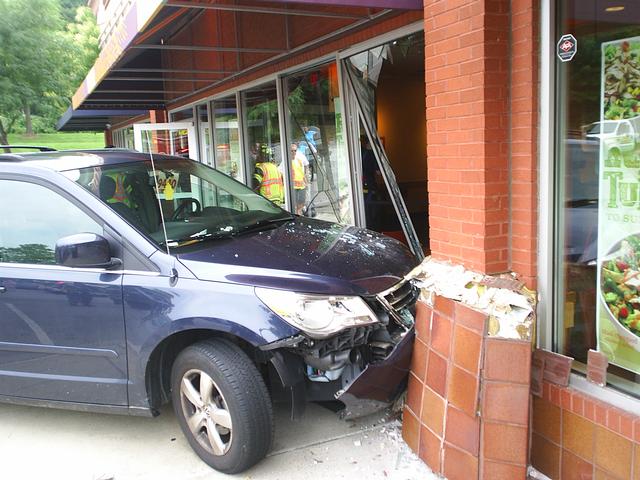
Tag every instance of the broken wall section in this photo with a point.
(467, 409)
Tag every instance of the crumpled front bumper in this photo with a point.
(379, 384)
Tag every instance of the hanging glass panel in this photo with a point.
(388, 83)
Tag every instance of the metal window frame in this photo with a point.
(546, 179)
(548, 280)
(284, 143)
(414, 27)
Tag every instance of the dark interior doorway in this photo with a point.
(389, 82)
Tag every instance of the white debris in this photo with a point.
(504, 299)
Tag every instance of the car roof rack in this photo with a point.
(31, 147)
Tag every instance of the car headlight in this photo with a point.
(319, 316)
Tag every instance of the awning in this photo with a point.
(403, 4)
(93, 120)
(159, 53)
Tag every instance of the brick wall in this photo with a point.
(467, 410)
(576, 436)
(481, 99)
(467, 93)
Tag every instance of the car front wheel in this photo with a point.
(222, 405)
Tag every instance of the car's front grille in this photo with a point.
(401, 295)
(399, 303)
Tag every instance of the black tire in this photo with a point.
(243, 395)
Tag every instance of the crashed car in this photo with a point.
(128, 281)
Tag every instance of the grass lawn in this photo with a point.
(61, 140)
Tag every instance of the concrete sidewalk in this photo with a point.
(57, 444)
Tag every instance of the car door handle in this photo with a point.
(3, 289)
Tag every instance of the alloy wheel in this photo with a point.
(206, 412)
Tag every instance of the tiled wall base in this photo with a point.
(575, 436)
(467, 411)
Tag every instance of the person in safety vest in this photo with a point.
(299, 166)
(122, 192)
(267, 179)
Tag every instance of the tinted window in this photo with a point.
(33, 218)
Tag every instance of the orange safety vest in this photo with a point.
(298, 174)
(271, 184)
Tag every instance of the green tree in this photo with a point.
(42, 60)
(28, 253)
(69, 8)
(29, 50)
(81, 39)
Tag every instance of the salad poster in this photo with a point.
(618, 302)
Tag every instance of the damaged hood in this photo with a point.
(304, 255)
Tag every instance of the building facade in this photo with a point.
(500, 135)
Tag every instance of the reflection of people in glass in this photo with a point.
(310, 142)
(267, 179)
(309, 136)
(299, 167)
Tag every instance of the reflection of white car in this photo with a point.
(617, 136)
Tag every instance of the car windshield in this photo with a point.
(198, 202)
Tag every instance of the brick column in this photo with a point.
(525, 15)
(158, 116)
(108, 137)
(467, 410)
(467, 103)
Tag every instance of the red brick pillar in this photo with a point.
(158, 116)
(467, 410)
(467, 104)
(108, 137)
(525, 15)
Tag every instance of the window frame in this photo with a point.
(548, 280)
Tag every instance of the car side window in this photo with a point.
(33, 218)
(624, 129)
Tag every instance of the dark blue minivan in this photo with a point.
(128, 281)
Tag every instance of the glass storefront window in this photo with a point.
(319, 163)
(128, 138)
(227, 137)
(597, 142)
(206, 154)
(180, 143)
(262, 142)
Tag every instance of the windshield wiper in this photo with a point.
(182, 242)
(262, 225)
(227, 232)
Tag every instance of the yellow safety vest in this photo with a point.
(298, 174)
(121, 195)
(271, 184)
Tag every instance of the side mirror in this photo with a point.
(86, 250)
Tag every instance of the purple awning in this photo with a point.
(401, 4)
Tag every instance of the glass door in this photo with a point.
(177, 138)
